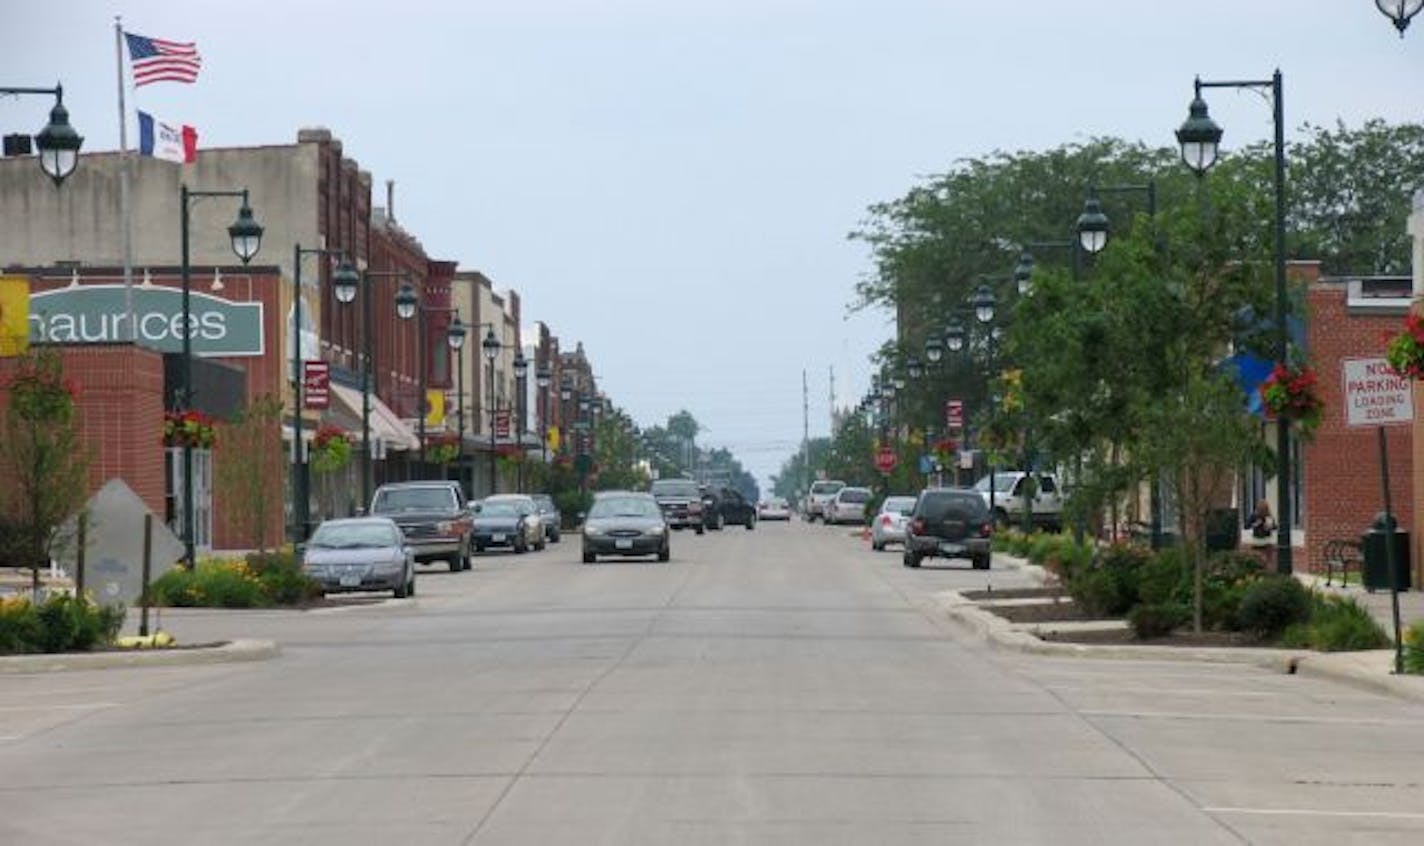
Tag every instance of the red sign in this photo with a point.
(886, 459)
(316, 384)
(954, 414)
(501, 424)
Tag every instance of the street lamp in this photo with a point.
(1200, 137)
(521, 373)
(344, 280)
(491, 347)
(408, 306)
(542, 377)
(1023, 274)
(345, 287)
(1400, 11)
(58, 144)
(245, 236)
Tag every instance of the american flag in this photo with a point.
(156, 60)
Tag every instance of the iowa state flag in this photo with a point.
(169, 141)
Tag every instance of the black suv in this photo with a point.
(949, 523)
(727, 505)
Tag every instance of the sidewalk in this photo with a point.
(1411, 602)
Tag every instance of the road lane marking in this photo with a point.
(1312, 812)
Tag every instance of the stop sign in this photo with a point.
(885, 460)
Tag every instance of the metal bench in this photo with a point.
(1343, 555)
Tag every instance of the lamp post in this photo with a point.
(1400, 11)
(408, 306)
(491, 347)
(345, 290)
(521, 372)
(542, 378)
(58, 144)
(1200, 139)
(344, 278)
(246, 238)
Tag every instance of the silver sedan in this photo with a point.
(889, 525)
(361, 553)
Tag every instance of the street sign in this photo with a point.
(886, 459)
(1376, 395)
(316, 384)
(501, 424)
(954, 414)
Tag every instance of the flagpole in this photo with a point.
(125, 215)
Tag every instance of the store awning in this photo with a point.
(385, 424)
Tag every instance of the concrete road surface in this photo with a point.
(784, 685)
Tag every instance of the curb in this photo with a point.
(1357, 669)
(230, 652)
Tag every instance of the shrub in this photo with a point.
(59, 624)
(213, 584)
(1164, 578)
(1158, 619)
(1414, 649)
(1272, 604)
(1337, 624)
(282, 578)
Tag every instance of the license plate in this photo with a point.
(352, 580)
(951, 548)
(623, 544)
(497, 538)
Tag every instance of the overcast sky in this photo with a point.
(672, 181)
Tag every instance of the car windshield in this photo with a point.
(675, 487)
(1002, 482)
(898, 505)
(624, 506)
(354, 536)
(854, 495)
(498, 509)
(413, 499)
(822, 488)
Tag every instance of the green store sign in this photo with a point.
(91, 314)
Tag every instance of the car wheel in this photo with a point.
(589, 557)
(665, 553)
(1001, 519)
(467, 561)
(554, 538)
(877, 546)
(402, 590)
(521, 546)
(751, 523)
(410, 589)
(911, 559)
(700, 529)
(456, 565)
(981, 563)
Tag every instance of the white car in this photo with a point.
(847, 506)
(892, 521)
(821, 493)
(775, 508)
(1010, 489)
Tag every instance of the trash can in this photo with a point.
(1223, 530)
(1375, 572)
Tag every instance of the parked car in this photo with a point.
(774, 508)
(681, 502)
(625, 523)
(1010, 489)
(510, 520)
(890, 521)
(549, 513)
(847, 506)
(949, 523)
(360, 553)
(729, 506)
(821, 493)
(432, 515)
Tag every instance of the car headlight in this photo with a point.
(592, 531)
(387, 566)
(657, 531)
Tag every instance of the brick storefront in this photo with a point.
(1342, 490)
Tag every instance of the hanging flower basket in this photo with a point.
(1405, 351)
(330, 449)
(442, 450)
(1291, 392)
(189, 429)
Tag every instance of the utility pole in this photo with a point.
(805, 431)
(831, 399)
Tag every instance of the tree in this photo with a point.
(249, 472)
(44, 459)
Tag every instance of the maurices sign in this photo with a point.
(88, 314)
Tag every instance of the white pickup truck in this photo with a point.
(1007, 504)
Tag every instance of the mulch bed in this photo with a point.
(1057, 612)
(1014, 593)
(1183, 637)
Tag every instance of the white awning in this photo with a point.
(385, 424)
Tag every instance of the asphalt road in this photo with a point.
(778, 686)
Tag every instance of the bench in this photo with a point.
(1343, 555)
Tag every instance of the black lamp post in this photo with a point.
(344, 279)
(246, 239)
(984, 304)
(1400, 11)
(345, 290)
(408, 306)
(58, 144)
(521, 373)
(1200, 139)
(542, 378)
(455, 339)
(491, 347)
